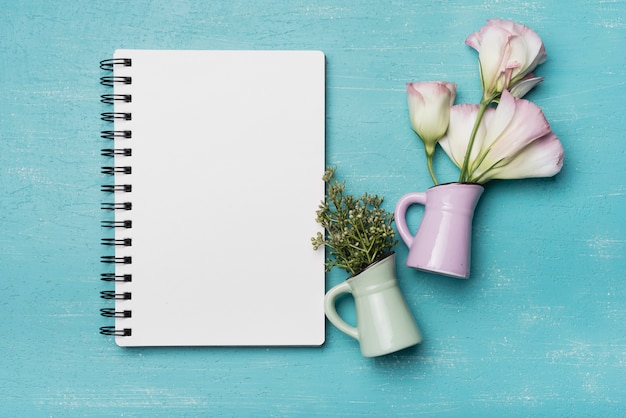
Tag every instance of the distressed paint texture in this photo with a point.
(538, 330)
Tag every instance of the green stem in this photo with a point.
(429, 161)
(478, 179)
(484, 103)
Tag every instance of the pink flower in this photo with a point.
(429, 110)
(508, 52)
(513, 141)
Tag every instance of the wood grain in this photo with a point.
(538, 330)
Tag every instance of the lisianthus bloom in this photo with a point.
(429, 110)
(513, 140)
(508, 52)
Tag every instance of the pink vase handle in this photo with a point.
(400, 214)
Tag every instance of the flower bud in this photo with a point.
(429, 110)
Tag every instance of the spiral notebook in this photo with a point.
(212, 168)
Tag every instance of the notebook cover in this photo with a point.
(227, 159)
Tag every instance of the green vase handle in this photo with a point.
(331, 310)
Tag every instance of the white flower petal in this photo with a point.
(456, 139)
(525, 124)
(525, 85)
(541, 158)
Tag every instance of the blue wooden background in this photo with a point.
(539, 329)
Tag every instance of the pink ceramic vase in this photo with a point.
(443, 240)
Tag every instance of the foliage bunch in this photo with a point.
(358, 230)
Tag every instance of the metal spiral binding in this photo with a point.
(112, 277)
(111, 81)
(110, 170)
(112, 98)
(108, 64)
(112, 313)
(112, 116)
(112, 152)
(116, 134)
(113, 188)
(117, 206)
(111, 259)
(114, 170)
(112, 331)
(124, 242)
(111, 295)
(117, 224)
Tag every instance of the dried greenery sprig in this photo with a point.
(358, 230)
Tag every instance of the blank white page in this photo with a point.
(227, 160)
